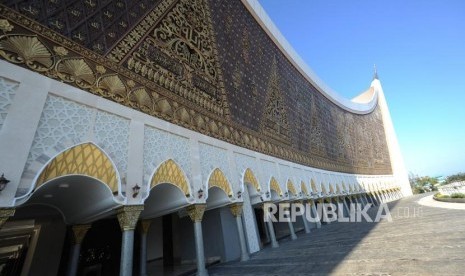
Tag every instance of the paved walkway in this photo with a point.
(420, 240)
(429, 201)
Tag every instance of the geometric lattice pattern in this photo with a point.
(7, 93)
(112, 132)
(170, 172)
(159, 146)
(83, 159)
(250, 178)
(275, 186)
(217, 179)
(61, 121)
(291, 188)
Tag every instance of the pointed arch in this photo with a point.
(170, 172)
(323, 189)
(249, 177)
(303, 188)
(313, 186)
(275, 186)
(338, 189)
(331, 189)
(291, 187)
(83, 159)
(218, 179)
(344, 187)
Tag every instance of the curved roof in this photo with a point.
(359, 105)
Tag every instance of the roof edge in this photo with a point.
(260, 15)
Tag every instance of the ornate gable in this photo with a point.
(178, 51)
(274, 122)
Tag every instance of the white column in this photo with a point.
(305, 221)
(127, 217)
(19, 129)
(236, 210)
(134, 172)
(274, 242)
(291, 226)
(144, 229)
(344, 202)
(196, 214)
(79, 232)
(315, 213)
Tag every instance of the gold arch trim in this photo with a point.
(249, 177)
(331, 189)
(275, 186)
(85, 159)
(323, 189)
(170, 172)
(291, 188)
(303, 188)
(217, 179)
(312, 184)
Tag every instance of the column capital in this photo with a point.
(236, 209)
(145, 225)
(5, 214)
(79, 232)
(128, 216)
(196, 211)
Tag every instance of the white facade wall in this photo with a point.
(41, 117)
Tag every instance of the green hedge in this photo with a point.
(439, 195)
(457, 195)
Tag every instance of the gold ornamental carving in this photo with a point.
(291, 188)
(274, 121)
(275, 186)
(218, 179)
(92, 162)
(249, 177)
(5, 213)
(236, 209)
(196, 211)
(170, 172)
(128, 216)
(184, 101)
(79, 232)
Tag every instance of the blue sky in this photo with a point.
(419, 50)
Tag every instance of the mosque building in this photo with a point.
(136, 132)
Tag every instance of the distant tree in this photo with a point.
(455, 178)
(422, 184)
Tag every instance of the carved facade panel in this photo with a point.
(161, 146)
(95, 24)
(172, 64)
(7, 93)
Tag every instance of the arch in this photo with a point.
(331, 189)
(338, 189)
(313, 186)
(83, 159)
(303, 188)
(170, 172)
(218, 179)
(275, 186)
(291, 188)
(323, 189)
(249, 177)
